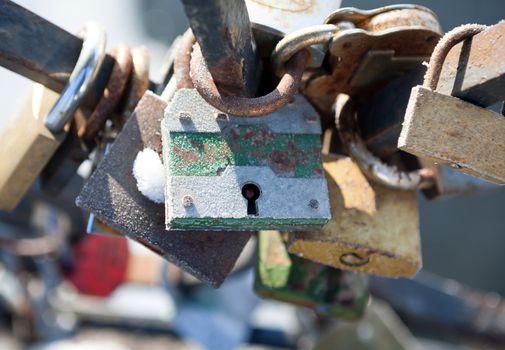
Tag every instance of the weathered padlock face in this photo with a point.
(285, 277)
(111, 193)
(447, 130)
(382, 46)
(374, 229)
(229, 172)
(26, 145)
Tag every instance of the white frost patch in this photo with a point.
(149, 172)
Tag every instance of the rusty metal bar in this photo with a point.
(223, 31)
(41, 51)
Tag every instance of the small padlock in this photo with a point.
(31, 139)
(329, 292)
(448, 130)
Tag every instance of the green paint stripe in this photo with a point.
(208, 154)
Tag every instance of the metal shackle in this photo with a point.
(373, 167)
(81, 79)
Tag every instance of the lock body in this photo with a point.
(112, 195)
(242, 173)
(374, 229)
(448, 130)
(27, 146)
(288, 278)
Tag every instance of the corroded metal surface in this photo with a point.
(139, 80)
(210, 156)
(182, 61)
(123, 64)
(279, 97)
(447, 130)
(474, 70)
(371, 165)
(223, 30)
(409, 32)
(111, 194)
(288, 278)
(373, 229)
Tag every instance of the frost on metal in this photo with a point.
(243, 172)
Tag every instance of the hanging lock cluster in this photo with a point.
(293, 163)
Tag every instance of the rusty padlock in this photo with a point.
(35, 134)
(448, 130)
(237, 164)
(375, 221)
(284, 277)
(370, 48)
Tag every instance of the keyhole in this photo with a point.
(251, 192)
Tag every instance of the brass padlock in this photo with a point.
(374, 229)
(288, 278)
(448, 130)
(43, 118)
(375, 223)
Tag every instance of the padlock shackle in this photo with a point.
(82, 77)
(448, 41)
(373, 167)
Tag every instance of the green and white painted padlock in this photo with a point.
(228, 172)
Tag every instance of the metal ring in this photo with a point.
(139, 80)
(182, 61)
(374, 168)
(112, 93)
(443, 47)
(299, 40)
(243, 106)
(81, 79)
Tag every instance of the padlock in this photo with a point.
(231, 172)
(111, 193)
(374, 229)
(371, 48)
(284, 277)
(375, 223)
(31, 139)
(448, 130)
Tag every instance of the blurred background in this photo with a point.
(462, 238)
